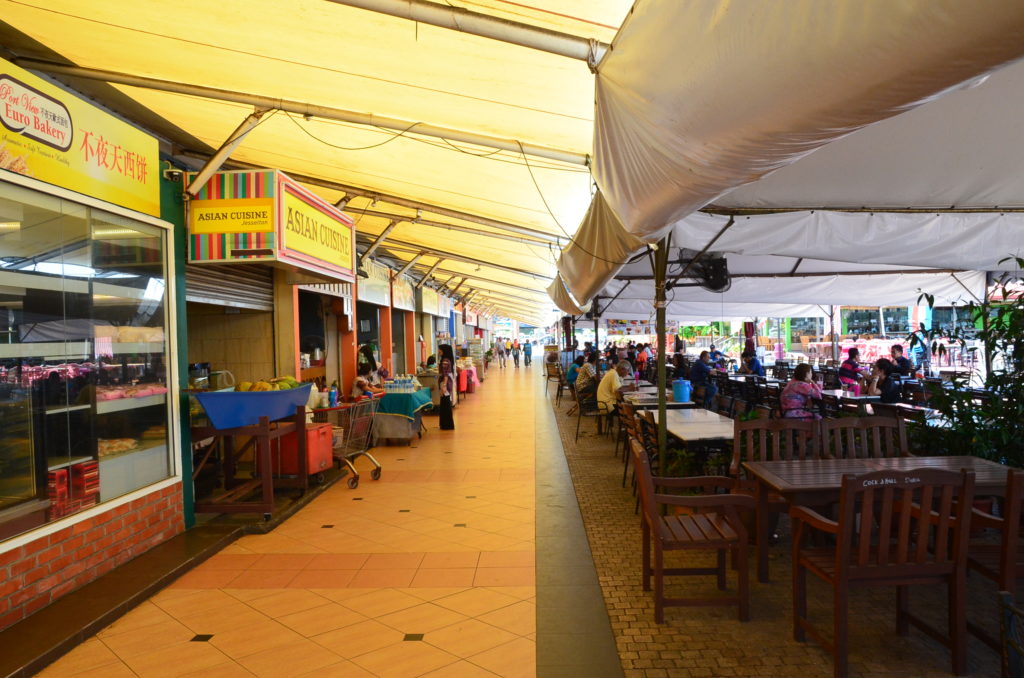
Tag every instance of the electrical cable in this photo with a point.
(572, 241)
(347, 148)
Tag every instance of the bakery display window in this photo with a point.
(83, 357)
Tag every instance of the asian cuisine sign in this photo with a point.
(265, 216)
(50, 135)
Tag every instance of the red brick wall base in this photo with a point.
(41, 571)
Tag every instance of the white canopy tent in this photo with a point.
(883, 108)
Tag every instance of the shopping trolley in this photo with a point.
(352, 423)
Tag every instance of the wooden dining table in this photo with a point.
(691, 425)
(816, 482)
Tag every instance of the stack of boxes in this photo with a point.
(73, 488)
(57, 492)
(85, 484)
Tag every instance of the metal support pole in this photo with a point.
(488, 26)
(426, 276)
(378, 241)
(835, 334)
(224, 152)
(660, 270)
(595, 310)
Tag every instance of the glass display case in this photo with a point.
(83, 379)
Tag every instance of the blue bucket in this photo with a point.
(231, 409)
(681, 391)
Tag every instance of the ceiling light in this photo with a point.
(8, 226)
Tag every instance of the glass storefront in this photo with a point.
(83, 357)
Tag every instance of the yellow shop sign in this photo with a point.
(50, 135)
(310, 230)
(235, 215)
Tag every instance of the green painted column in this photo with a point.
(172, 209)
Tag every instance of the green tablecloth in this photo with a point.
(404, 404)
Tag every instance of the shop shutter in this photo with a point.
(236, 285)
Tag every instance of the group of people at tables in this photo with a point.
(799, 393)
(797, 396)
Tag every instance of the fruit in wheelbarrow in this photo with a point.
(244, 386)
(260, 386)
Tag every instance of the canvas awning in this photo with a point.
(845, 104)
(332, 56)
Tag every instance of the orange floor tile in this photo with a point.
(426, 572)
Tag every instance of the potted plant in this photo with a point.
(987, 422)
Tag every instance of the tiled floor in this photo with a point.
(427, 572)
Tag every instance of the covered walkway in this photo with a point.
(429, 572)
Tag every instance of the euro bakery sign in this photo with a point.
(264, 216)
(50, 135)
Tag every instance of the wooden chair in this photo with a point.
(590, 407)
(553, 373)
(829, 406)
(714, 525)
(919, 537)
(772, 440)
(724, 405)
(864, 437)
(627, 414)
(1001, 562)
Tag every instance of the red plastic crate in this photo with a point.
(284, 457)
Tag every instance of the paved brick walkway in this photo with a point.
(710, 641)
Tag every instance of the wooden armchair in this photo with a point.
(1003, 562)
(919, 537)
(714, 525)
(864, 438)
(771, 440)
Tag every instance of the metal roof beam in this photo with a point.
(529, 240)
(308, 109)
(430, 272)
(402, 246)
(375, 196)
(487, 26)
(216, 160)
(378, 241)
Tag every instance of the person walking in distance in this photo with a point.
(527, 353)
(515, 354)
(499, 349)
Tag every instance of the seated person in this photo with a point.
(902, 364)
(362, 388)
(432, 362)
(586, 379)
(716, 355)
(574, 370)
(750, 364)
(798, 396)
(882, 382)
(611, 386)
(700, 375)
(850, 372)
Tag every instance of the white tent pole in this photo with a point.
(835, 334)
(224, 152)
(881, 322)
(307, 109)
(487, 26)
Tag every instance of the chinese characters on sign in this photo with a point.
(102, 153)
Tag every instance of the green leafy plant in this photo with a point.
(986, 422)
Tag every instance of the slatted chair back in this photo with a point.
(830, 406)
(830, 377)
(864, 438)
(1003, 563)
(773, 440)
(724, 405)
(922, 516)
